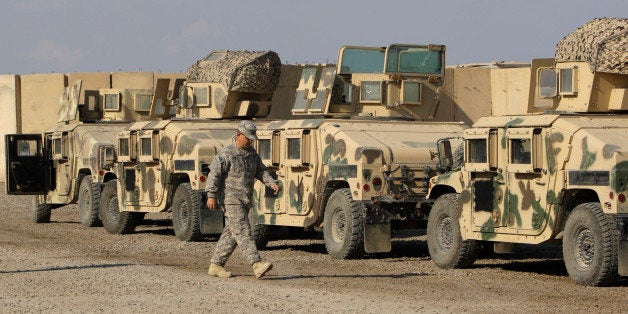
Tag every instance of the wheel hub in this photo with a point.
(584, 247)
(444, 233)
(339, 224)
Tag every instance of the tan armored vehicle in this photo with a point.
(557, 176)
(69, 163)
(359, 162)
(162, 165)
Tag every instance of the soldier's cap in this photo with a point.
(248, 129)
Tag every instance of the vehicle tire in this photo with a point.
(343, 226)
(88, 199)
(39, 212)
(444, 240)
(186, 218)
(590, 246)
(261, 235)
(114, 221)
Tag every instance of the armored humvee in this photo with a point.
(70, 162)
(358, 161)
(162, 165)
(561, 175)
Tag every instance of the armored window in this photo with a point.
(146, 146)
(520, 152)
(547, 79)
(294, 148)
(371, 91)
(419, 60)
(56, 146)
(201, 96)
(123, 145)
(159, 107)
(112, 102)
(568, 81)
(263, 148)
(361, 60)
(300, 101)
(347, 93)
(91, 102)
(476, 151)
(411, 92)
(27, 148)
(142, 102)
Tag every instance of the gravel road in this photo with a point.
(65, 267)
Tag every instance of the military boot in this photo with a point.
(218, 271)
(261, 268)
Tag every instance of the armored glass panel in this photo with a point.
(263, 148)
(359, 60)
(146, 145)
(547, 83)
(27, 148)
(371, 91)
(347, 93)
(566, 80)
(319, 101)
(159, 107)
(201, 96)
(477, 150)
(56, 146)
(300, 102)
(411, 92)
(414, 60)
(308, 75)
(520, 151)
(91, 103)
(112, 102)
(142, 102)
(294, 148)
(124, 147)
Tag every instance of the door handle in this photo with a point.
(539, 182)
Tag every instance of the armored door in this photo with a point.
(26, 166)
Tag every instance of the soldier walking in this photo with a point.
(230, 187)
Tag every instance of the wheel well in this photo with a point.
(439, 190)
(177, 179)
(573, 198)
(109, 176)
(330, 187)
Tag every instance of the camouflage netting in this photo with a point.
(240, 71)
(601, 42)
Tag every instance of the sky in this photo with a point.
(62, 36)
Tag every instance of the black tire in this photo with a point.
(343, 226)
(590, 246)
(186, 218)
(444, 241)
(114, 221)
(39, 212)
(261, 235)
(88, 200)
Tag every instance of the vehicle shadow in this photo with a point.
(290, 277)
(64, 268)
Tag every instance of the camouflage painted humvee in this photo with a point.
(70, 162)
(557, 176)
(161, 166)
(359, 161)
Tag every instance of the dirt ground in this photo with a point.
(65, 267)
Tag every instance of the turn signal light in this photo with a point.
(202, 178)
(366, 188)
(621, 198)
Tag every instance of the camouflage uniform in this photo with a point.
(232, 175)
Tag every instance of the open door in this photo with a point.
(26, 164)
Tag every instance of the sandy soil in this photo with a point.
(65, 267)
